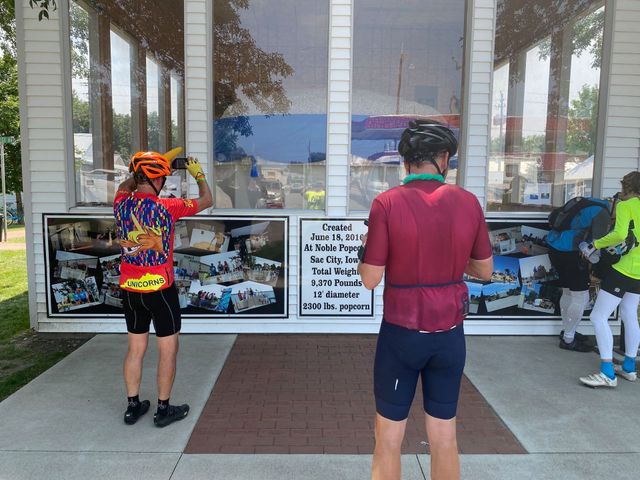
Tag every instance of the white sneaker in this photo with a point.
(599, 380)
(631, 376)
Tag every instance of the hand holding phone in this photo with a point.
(195, 169)
(179, 163)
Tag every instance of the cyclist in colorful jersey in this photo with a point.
(423, 235)
(621, 286)
(145, 225)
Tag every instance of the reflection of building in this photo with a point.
(325, 103)
(579, 179)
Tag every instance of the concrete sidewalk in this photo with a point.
(66, 424)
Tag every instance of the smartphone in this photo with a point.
(366, 222)
(179, 163)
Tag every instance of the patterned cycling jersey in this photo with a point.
(145, 229)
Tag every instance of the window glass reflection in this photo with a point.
(407, 64)
(153, 109)
(177, 117)
(109, 43)
(270, 76)
(545, 103)
(121, 97)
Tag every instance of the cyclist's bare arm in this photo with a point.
(205, 199)
(128, 186)
(371, 275)
(481, 269)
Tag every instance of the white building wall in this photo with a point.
(46, 140)
(622, 126)
(198, 87)
(44, 154)
(477, 106)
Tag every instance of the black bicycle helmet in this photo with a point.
(424, 137)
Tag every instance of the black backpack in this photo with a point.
(560, 218)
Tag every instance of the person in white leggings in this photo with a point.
(620, 287)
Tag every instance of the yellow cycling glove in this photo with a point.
(195, 169)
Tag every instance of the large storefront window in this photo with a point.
(545, 103)
(122, 97)
(407, 64)
(122, 103)
(270, 103)
(153, 105)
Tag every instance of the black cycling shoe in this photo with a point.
(174, 413)
(575, 345)
(580, 337)
(132, 414)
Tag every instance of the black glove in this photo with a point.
(362, 249)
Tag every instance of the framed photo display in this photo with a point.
(524, 283)
(224, 266)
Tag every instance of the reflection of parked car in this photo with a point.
(272, 195)
(296, 187)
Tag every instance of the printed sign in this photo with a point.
(329, 280)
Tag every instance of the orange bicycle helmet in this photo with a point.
(150, 164)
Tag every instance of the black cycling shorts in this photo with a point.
(402, 355)
(161, 307)
(573, 270)
(618, 284)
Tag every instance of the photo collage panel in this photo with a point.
(222, 266)
(523, 282)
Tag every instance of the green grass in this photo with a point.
(14, 310)
(24, 354)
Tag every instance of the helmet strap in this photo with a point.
(150, 182)
(435, 164)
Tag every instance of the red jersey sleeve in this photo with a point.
(377, 236)
(482, 245)
(180, 207)
(120, 195)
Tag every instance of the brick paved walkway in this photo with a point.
(313, 394)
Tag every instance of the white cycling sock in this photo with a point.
(629, 315)
(565, 300)
(604, 307)
(573, 311)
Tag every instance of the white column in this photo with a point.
(622, 123)
(198, 25)
(476, 122)
(339, 106)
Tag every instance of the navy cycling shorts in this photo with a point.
(402, 355)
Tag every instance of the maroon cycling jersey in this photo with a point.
(424, 234)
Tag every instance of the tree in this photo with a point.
(7, 26)
(587, 36)
(583, 122)
(45, 6)
(243, 69)
(79, 37)
(81, 114)
(9, 99)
